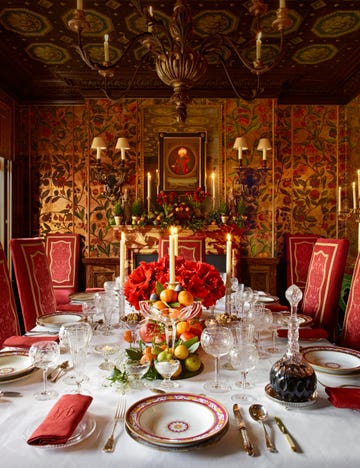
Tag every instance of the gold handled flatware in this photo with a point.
(288, 437)
(241, 425)
(119, 416)
(54, 375)
(259, 414)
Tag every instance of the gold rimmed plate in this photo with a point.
(54, 321)
(78, 298)
(332, 359)
(182, 420)
(14, 365)
(268, 299)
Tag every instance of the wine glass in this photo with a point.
(89, 310)
(105, 302)
(244, 358)
(79, 335)
(217, 341)
(167, 369)
(107, 350)
(277, 323)
(44, 354)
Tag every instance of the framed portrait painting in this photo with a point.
(181, 161)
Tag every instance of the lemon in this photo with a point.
(181, 351)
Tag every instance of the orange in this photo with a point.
(178, 372)
(182, 327)
(127, 336)
(168, 295)
(159, 305)
(185, 298)
(174, 313)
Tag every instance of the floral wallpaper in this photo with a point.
(312, 146)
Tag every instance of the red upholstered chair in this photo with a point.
(63, 253)
(350, 336)
(323, 284)
(190, 248)
(298, 250)
(9, 322)
(34, 282)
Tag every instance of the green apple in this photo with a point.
(192, 363)
(164, 356)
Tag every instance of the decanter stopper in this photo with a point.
(292, 378)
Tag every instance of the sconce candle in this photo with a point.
(228, 256)
(339, 199)
(157, 182)
(106, 48)
(354, 194)
(79, 4)
(122, 259)
(148, 191)
(282, 4)
(213, 188)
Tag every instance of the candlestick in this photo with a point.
(79, 4)
(339, 199)
(258, 47)
(148, 191)
(354, 194)
(106, 48)
(122, 259)
(228, 256)
(171, 260)
(282, 4)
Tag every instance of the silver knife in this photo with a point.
(241, 424)
(10, 394)
(288, 437)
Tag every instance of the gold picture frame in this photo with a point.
(181, 161)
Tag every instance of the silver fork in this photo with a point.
(119, 416)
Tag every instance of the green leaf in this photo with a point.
(189, 343)
(134, 354)
(194, 347)
(159, 288)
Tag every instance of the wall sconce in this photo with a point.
(250, 178)
(113, 179)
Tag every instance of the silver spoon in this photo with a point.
(259, 414)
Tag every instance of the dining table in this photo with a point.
(324, 436)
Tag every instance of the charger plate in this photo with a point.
(176, 420)
(332, 359)
(83, 430)
(56, 320)
(14, 365)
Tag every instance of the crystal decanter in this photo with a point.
(292, 378)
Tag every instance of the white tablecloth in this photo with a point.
(327, 436)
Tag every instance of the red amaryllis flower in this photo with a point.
(201, 279)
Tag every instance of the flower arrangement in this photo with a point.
(202, 280)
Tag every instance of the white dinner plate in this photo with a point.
(56, 320)
(78, 298)
(83, 430)
(182, 419)
(332, 359)
(14, 364)
(268, 299)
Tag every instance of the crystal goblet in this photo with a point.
(44, 354)
(107, 350)
(167, 369)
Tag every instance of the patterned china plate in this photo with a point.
(268, 299)
(82, 297)
(332, 359)
(14, 364)
(182, 419)
(56, 320)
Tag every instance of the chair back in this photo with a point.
(350, 336)
(323, 284)
(63, 253)
(33, 279)
(189, 247)
(298, 251)
(9, 321)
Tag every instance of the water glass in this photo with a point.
(44, 354)
(79, 335)
(244, 358)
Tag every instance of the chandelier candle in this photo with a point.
(106, 48)
(122, 259)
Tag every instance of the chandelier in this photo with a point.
(179, 62)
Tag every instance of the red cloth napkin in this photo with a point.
(342, 397)
(27, 341)
(62, 420)
(306, 333)
(276, 307)
(90, 290)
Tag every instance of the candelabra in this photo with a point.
(113, 179)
